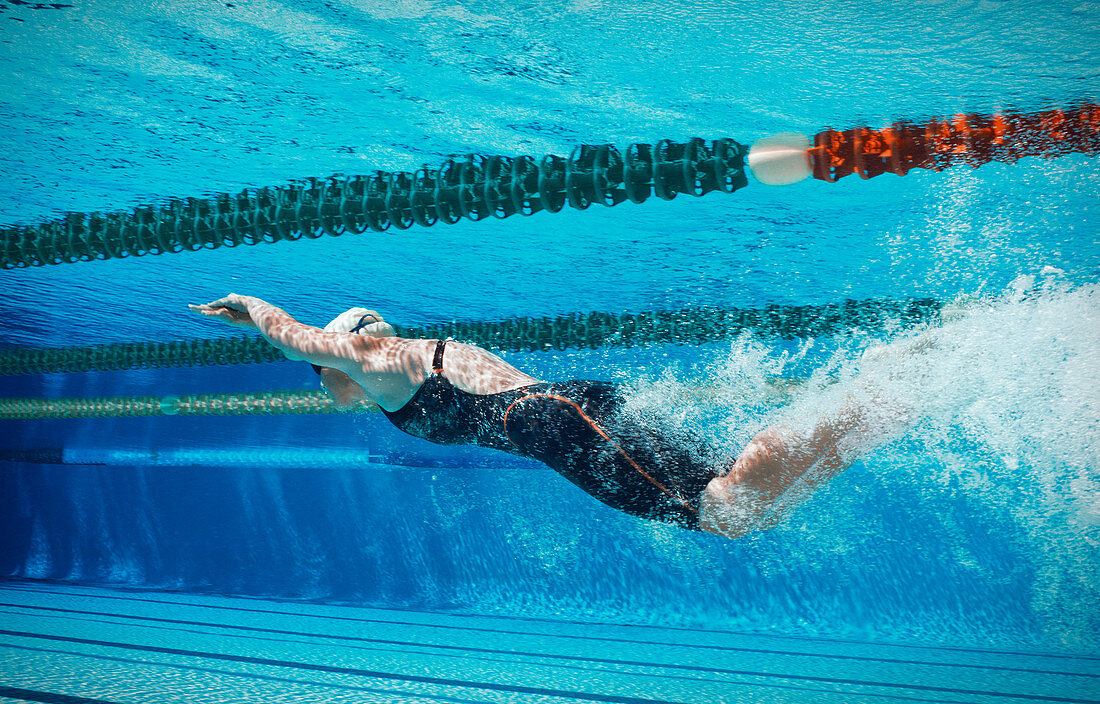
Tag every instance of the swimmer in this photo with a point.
(452, 393)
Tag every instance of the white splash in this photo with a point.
(992, 422)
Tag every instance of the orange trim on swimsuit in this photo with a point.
(595, 426)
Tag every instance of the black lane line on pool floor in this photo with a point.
(376, 674)
(477, 629)
(582, 658)
(847, 694)
(337, 670)
(571, 664)
(33, 695)
(406, 695)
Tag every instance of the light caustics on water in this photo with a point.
(977, 524)
(979, 513)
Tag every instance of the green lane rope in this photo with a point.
(473, 188)
(268, 403)
(577, 331)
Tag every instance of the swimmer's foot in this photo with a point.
(734, 510)
(746, 499)
(778, 470)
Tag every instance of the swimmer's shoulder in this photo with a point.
(478, 371)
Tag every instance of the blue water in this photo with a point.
(979, 525)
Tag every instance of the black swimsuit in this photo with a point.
(575, 427)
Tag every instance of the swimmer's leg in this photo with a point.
(781, 467)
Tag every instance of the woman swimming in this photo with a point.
(453, 393)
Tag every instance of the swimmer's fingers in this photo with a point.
(225, 314)
(210, 311)
(231, 301)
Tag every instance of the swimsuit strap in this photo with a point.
(437, 362)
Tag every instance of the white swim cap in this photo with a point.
(362, 321)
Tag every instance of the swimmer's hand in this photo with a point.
(232, 309)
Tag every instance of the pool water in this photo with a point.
(976, 526)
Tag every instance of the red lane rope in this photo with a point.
(963, 139)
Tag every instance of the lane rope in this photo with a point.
(689, 326)
(473, 187)
(477, 186)
(266, 403)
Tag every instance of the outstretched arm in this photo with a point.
(387, 370)
(296, 340)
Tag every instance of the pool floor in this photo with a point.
(69, 644)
